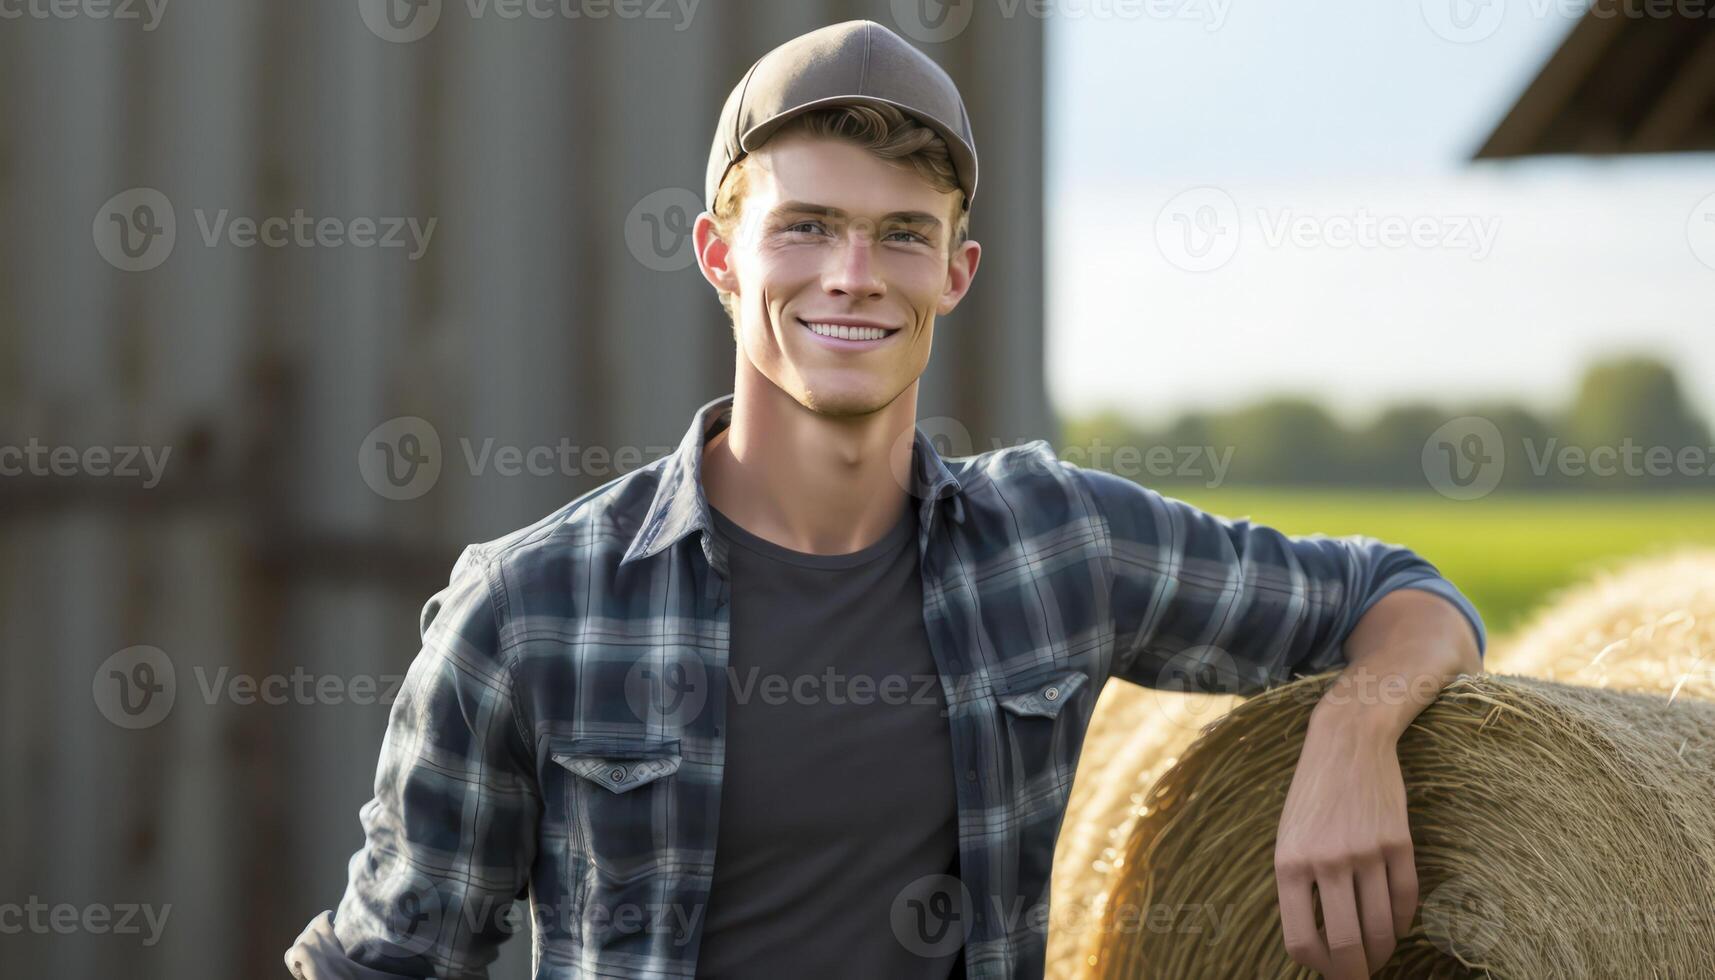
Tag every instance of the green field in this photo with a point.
(1508, 553)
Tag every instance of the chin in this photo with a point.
(843, 402)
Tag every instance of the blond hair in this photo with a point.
(883, 130)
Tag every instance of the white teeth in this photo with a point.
(846, 333)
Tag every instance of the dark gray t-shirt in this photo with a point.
(838, 792)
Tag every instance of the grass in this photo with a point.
(1507, 553)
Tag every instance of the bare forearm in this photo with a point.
(1404, 650)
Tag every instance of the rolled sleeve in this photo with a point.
(1202, 602)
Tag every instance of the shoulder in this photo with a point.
(1026, 486)
(548, 567)
(602, 519)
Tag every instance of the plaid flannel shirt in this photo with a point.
(559, 736)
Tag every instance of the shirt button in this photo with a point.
(617, 774)
(971, 774)
(1052, 694)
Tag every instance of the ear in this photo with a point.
(961, 269)
(714, 254)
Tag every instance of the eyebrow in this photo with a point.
(919, 218)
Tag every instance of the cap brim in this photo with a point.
(964, 160)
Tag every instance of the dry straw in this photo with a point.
(1560, 829)
(1135, 735)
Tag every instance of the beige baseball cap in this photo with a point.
(858, 62)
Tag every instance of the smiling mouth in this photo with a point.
(850, 334)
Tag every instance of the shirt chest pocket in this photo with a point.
(1044, 715)
(620, 794)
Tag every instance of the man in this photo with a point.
(804, 698)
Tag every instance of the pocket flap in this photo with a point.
(617, 764)
(1043, 695)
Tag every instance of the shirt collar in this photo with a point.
(681, 506)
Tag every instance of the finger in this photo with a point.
(1340, 922)
(1375, 913)
(1402, 888)
(1298, 922)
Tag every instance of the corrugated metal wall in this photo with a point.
(262, 551)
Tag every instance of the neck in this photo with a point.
(817, 484)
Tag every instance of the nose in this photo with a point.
(851, 267)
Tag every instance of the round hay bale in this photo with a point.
(1558, 831)
(1135, 734)
(1648, 625)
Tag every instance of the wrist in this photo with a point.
(1345, 714)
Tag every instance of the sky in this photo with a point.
(1250, 199)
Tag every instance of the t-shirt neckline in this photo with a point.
(887, 545)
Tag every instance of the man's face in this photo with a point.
(832, 235)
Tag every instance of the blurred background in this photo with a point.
(297, 299)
